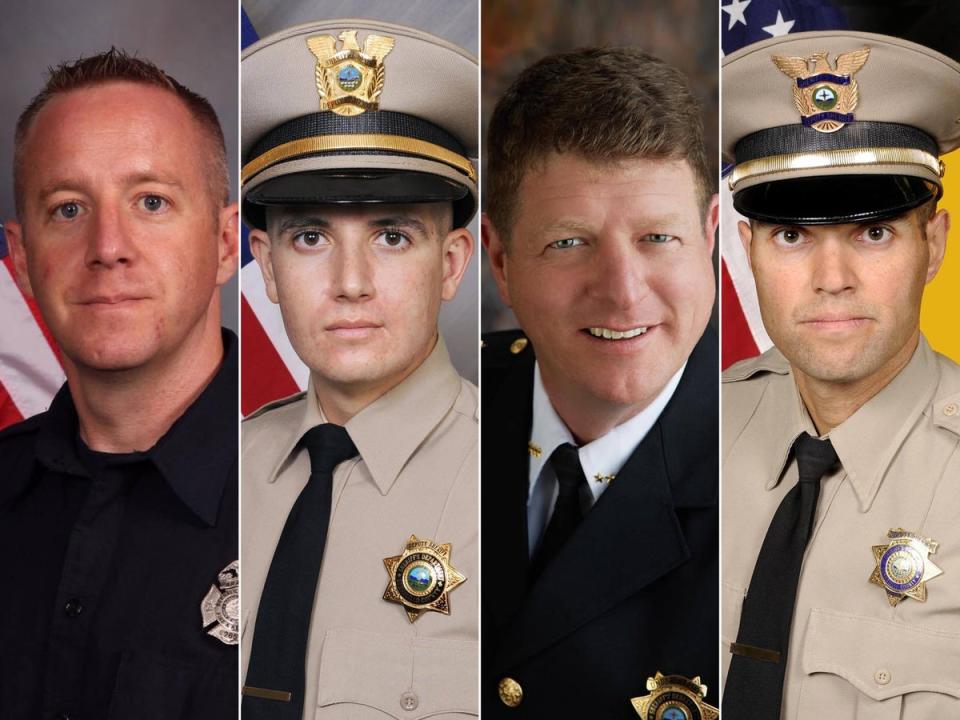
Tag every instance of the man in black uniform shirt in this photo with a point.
(600, 422)
(118, 506)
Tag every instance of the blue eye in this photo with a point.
(67, 211)
(566, 243)
(659, 238)
(152, 203)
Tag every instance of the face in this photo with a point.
(360, 287)
(120, 241)
(842, 302)
(608, 270)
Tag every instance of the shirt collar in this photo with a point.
(890, 414)
(390, 429)
(195, 457)
(604, 456)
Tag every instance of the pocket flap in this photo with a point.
(882, 658)
(386, 671)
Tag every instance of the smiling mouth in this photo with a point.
(608, 334)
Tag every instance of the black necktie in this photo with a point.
(754, 685)
(275, 680)
(567, 512)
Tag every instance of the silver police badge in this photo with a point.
(221, 606)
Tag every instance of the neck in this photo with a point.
(588, 417)
(122, 411)
(830, 402)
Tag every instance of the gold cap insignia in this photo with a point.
(220, 608)
(904, 565)
(674, 697)
(825, 96)
(350, 80)
(422, 577)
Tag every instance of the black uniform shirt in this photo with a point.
(105, 560)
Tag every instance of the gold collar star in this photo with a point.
(422, 577)
(674, 697)
(904, 565)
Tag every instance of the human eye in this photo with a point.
(392, 239)
(566, 243)
(153, 204)
(658, 238)
(67, 211)
(788, 237)
(876, 234)
(309, 239)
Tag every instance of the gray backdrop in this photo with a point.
(195, 42)
(453, 20)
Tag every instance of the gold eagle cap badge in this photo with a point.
(422, 578)
(674, 697)
(825, 96)
(350, 80)
(903, 566)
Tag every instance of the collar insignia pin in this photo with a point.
(350, 80)
(825, 96)
(221, 606)
(674, 697)
(904, 565)
(422, 577)
(534, 449)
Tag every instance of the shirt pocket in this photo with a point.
(865, 668)
(372, 675)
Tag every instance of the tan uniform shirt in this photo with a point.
(852, 655)
(416, 475)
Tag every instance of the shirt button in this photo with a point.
(409, 701)
(73, 608)
(511, 694)
(882, 677)
(950, 409)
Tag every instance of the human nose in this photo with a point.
(354, 274)
(619, 275)
(109, 242)
(833, 272)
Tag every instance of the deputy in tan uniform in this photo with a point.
(841, 446)
(358, 184)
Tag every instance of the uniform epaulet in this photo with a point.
(770, 362)
(274, 404)
(24, 427)
(504, 347)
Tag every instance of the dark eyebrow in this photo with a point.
(298, 222)
(401, 221)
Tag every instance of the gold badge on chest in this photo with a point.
(903, 565)
(422, 578)
(350, 80)
(674, 697)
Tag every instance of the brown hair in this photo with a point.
(607, 104)
(116, 65)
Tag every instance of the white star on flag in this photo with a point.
(736, 9)
(780, 27)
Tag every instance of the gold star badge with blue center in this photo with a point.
(674, 697)
(422, 577)
(904, 566)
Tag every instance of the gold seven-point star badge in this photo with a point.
(422, 578)
(904, 565)
(674, 697)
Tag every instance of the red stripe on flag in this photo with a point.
(8, 411)
(35, 311)
(265, 377)
(738, 342)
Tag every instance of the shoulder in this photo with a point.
(20, 435)
(745, 383)
(945, 410)
(468, 401)
(501, 353)
(275, 418)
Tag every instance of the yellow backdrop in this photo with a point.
(940, 313)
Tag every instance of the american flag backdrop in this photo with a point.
(30, 370)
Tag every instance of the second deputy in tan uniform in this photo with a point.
(841, 445)
(359, 530)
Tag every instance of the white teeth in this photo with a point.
(609, 334)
